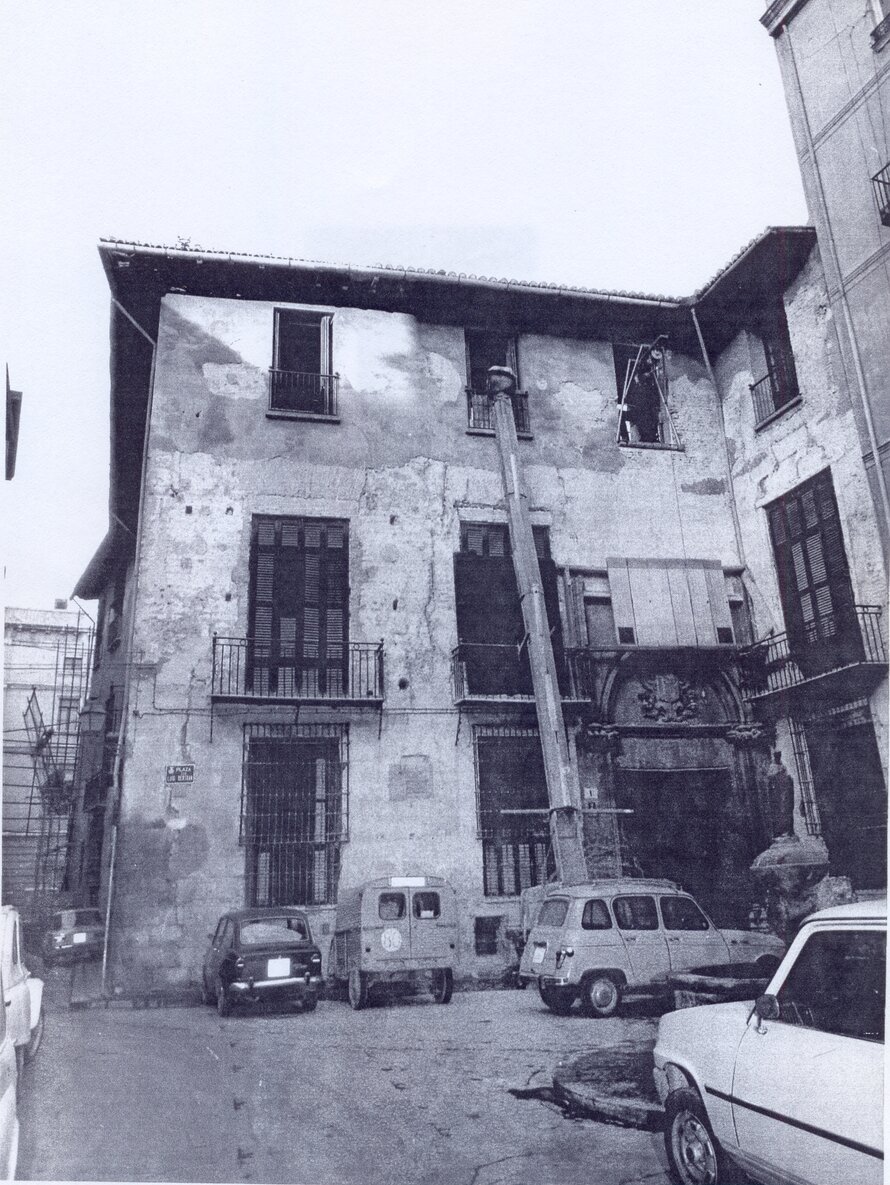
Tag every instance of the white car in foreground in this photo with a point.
(9, 1123)
(790, 1088)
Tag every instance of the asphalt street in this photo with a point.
(405, 1092)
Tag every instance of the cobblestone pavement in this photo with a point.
(405, 1092)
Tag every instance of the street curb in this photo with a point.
(619, 1112)
(612, 1084)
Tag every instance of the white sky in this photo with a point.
(630, 145)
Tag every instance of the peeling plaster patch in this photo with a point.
(234, 381)
(707, 485)
(194, 343)
(411, 777)
(215, 428)
(608, 458)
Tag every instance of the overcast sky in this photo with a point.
(629, 145)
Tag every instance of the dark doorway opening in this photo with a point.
(686, 826)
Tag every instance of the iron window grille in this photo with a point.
(512, 809)
(881, 180)
(301, 379)
(294, 811)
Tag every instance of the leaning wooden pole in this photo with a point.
(563, 789)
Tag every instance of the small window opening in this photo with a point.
(391, 906)
(426, 905)
(485, 934)
(643, 416)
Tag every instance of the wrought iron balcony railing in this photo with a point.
(480, 415)
(310, 394)
(247, 670)
(771, 393)
(838, 642)
(881, 182)
(480, 671)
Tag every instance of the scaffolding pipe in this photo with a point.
(563, 788)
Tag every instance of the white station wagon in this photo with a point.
(788, 1088)
(619, 936)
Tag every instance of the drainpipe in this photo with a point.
(117, 788)
(842, 293)
(563, 788)
(713, 377)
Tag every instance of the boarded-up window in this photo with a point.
(670, 602)
(299, 600)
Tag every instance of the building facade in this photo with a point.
(311, 667)
(834, 57)
(46, 666)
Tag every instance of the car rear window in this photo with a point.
(553, 912)
(391, 906)
(680, 913)
(426, 905)
(635, 913)
(596, 916)
(284, 929)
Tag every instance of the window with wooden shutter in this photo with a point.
(302, 376)
(670, 602)
(299, 602)
(814, 577)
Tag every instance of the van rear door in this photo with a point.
(432, 926)
(546, 938)
(390, 922)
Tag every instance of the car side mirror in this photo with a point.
(766, 1007)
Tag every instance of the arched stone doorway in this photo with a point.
(671, 771)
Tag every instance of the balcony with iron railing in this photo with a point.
(880, 34)
(296, 393)
(881, 183)
(490, 673)
(480, 414)
(773, 394)
(245, 670)
(843, 655)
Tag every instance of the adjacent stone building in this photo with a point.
(311, 666)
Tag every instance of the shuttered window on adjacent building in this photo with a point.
(490, 629)
(813, 574)
(299, 605)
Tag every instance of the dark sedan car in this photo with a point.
(74, 934)
(262, 955)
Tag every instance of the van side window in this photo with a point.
(680, 913)
(635, 913)
(596, 916)
(553, 913)
(426, 905)
(391, 906)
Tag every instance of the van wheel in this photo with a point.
(558, 1000)
(443, 986)
(35, 1038)
(601, 996)
(694, 1155)
(223, 1005)
(358, 989)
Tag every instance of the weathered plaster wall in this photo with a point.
(401, 467)
(818, 433)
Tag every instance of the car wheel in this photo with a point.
(694, 1155)
(443, 985)
(558, 1000)
(35, 1038)
(309, 1003)
(358, 989)
(223, 1004)
(206, 997)
(601, 996)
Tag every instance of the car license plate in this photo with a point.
(278, 968)
(79, 939)
(538, 956)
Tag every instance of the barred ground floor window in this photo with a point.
(512, 805)
(294, 811)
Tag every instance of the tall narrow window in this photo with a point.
(814, 578)
(485, 349)
(513, 810)
(292, 821)
(299, 603)
(301, 377)
(778, 386)
(641, 380)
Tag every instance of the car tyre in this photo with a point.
(30, 1050)
(358, 989)
(309, 1003)
(223, 1004)
(558, 1000)
(206, 997)
(601, 995)
(443, 985)
(694, 1155)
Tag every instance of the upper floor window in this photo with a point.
(880, 34)
(881, 183)
(777, 387)
(641, 379)
(302, 379)
(486, 348)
